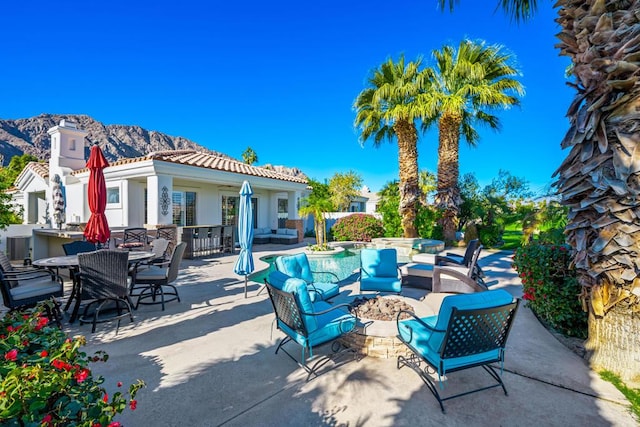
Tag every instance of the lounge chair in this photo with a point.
(298, 266)
(379, 270)
(310, 324)
(469, 331)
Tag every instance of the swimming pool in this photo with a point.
(343, 264)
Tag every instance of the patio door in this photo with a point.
(283, 212)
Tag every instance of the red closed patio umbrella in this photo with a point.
(97, 230)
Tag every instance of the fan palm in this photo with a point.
(469, 83)
(599, 179)
(388, 109)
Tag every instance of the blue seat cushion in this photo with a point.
(379, 262)
(331, 325)
(298, 288)
(381, 284)
(428, 342)
(295, 266)
(319, 291)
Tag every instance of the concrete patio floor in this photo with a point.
(209, 361)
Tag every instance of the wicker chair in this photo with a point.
(151, 283)
(103, 277)
(23, 291)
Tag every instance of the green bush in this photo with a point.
(490, 235)
(551, 288)
(357, 227)
(45, 379)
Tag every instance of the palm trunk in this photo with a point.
(448, 194)
(408, 164)
(600, 178)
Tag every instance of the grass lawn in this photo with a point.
(512, 236)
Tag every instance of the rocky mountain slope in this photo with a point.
(117, 141)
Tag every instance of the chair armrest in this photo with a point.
(26, 275)
(416, 318)
(462, 281)
(327, 272)
(334, 307)
(448, 260)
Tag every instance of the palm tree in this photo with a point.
(599, 180)
(249, 156)
(388, 109)
(317, 204)
(468, 84)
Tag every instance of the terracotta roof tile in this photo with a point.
(208, 161)
(40, 169)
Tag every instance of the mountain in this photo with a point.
(117, 141)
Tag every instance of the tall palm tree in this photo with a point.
(317, 204)
(599, 179)
(388, 109)
(469, 83)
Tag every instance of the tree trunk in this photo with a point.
(600, 178)
(448, 194)
(614, 344)
(408, 164)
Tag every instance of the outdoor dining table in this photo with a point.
(71, 262)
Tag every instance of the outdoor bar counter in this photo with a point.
(47, 242)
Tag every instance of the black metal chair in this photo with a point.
(470, 330)
(103, 277)
(21, 291)
(150, 285)
(468, 260)
(169, 233)
(134, 238)
(309, 324)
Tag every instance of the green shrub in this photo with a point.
(551, 288)
(490, 235)
(45, 379)
(357, 227)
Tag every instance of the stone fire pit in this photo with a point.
(376, 331)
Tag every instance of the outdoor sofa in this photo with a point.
(286, 236)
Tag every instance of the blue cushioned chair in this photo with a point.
(470, 330)
(308, 323)
(379, 270)
(297, 266)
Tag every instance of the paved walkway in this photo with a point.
(209, 360)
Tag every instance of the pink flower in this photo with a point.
(11, 355)
(44, 353)
(119, 384)
(46, 420)
(81, 375)
(114, 424)
(133, 404)
(105, 398)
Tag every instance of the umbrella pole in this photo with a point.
(245, 285)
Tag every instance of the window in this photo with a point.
(230, 210)
(72, 145)
(283, 212)
(184, 208)
(113, 195)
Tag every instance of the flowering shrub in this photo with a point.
(551, 288)
(45, 379)
(357, 227)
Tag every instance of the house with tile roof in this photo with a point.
(182, 187)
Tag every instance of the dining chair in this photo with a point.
(153, 285)
(104, 284)
(23, 291)
(134, 238)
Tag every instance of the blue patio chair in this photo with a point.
(297, 266)
(470, 330)
(379, 270)
(309, 324)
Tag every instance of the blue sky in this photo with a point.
(279, 77)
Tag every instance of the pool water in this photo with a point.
(342, 264)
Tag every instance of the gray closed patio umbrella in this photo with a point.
(244, 264)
